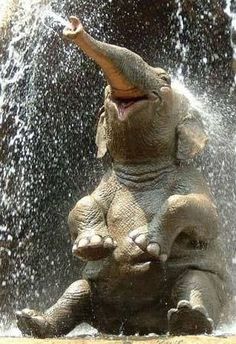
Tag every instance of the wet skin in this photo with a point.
(149, 232)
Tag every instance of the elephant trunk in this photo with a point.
(126, 72)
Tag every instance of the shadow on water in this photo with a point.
(49, 96)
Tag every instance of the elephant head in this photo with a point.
(144, 118)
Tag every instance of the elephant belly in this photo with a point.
(127, 294)
(136, 301)
(128, 309)
(131, 210)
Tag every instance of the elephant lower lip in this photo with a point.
(124, 106)
(122, 110)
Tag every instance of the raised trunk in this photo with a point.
(126, 72)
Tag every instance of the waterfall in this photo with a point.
(181, 47)
(15, 174)
(230, 10)
(47, 142)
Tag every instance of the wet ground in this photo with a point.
(125, 340)
(85, 334)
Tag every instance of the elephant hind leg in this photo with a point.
(72, 308)
(198, 299)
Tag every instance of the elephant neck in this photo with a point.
(145, 173)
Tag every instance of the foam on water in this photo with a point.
(12, 332)
(86, 330)
(81, 330)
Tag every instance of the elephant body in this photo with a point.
(131, 291)
(130, 288)
(149, 232)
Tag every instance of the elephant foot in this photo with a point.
(186, 319)
(34, 324)
(152, 247)
(93, 247)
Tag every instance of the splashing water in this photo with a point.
(81, 330)
(48, 142)
(40, 134)
(51, 20)
(56, 17)
(180, 45)
(230, 10)
(11, 331)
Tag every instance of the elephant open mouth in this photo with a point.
(126, 106)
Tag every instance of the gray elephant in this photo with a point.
(149, 232)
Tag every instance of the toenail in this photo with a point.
(154, 249)
(96, 239)
(83, 243)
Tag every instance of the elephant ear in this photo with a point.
(101, 136)
(191, 137)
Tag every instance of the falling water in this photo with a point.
(41, 128)
(48, 155)
(25, 23)
(231, 12)
(180, 47)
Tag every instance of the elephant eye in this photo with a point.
(166, 79)
(154, 95)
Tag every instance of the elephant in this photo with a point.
(149, 233)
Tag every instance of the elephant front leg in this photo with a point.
(197, 303)
(89, 232)
(194, 214)
(73, 308)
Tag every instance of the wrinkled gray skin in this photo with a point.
(149, 231)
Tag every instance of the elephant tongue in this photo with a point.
(123, 110)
